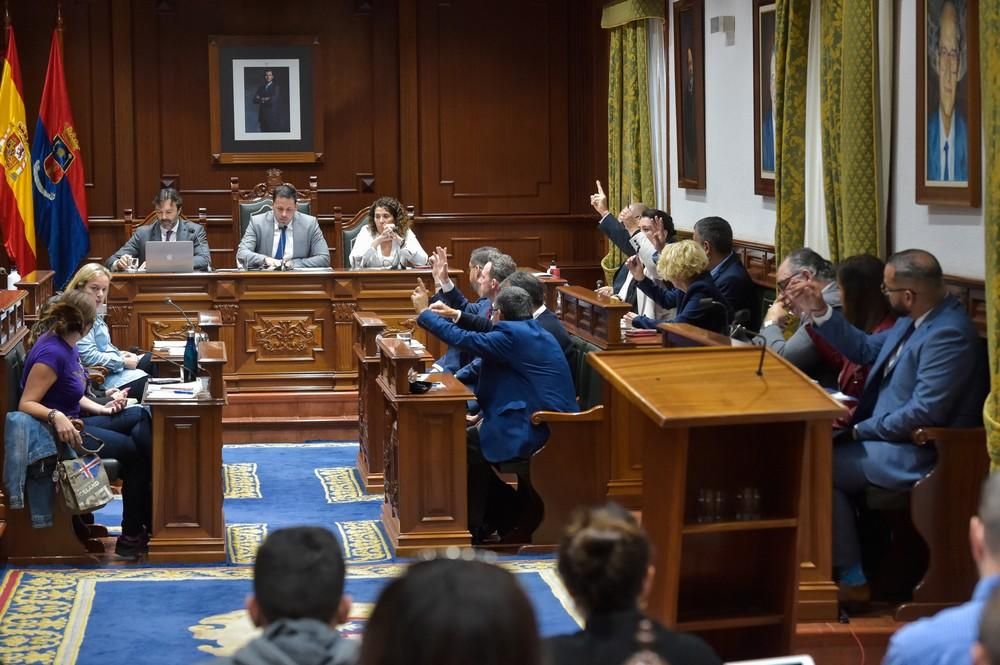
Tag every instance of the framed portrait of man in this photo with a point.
(264, 98)
(948, 159)
(764, 113)
(689, 92)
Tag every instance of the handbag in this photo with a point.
(82, 479)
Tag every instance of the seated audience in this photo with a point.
(452, 612)
(801, 265)
(387, 241)
(604, 563)
(694, 294)
(169, 226)
(52, 390)
(986, 650)
(923, 374)
(298, 599)
(283, 237)
(716, 237)
(126, 370)
(453, 359)
(523, 371)
(948, 636)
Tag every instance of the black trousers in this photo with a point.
(492, 503)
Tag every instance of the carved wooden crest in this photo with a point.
(285, 335)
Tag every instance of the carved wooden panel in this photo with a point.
(284, 336)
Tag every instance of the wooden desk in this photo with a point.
(551, 286)
(679, 335)
(39, 288)
(188, 524)
(710, 424)
(368, 327)
(425, 469)
(593, 317)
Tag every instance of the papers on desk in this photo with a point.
(178, 391)
(169, 347)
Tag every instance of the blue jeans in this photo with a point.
(127, 437)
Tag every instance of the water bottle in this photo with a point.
(190, 358)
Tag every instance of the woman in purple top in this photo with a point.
(52, 390)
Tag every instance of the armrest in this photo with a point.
(96, 374)
(595, 414)
(951, 436)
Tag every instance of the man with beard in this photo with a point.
(924, 373)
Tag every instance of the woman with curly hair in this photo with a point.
(387, 241)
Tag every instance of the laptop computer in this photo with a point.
(177, 256)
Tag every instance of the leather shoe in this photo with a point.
(854, 597)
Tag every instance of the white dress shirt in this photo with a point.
(173, 232)
(289, 249)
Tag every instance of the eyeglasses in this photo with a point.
(783, 284)
(886, 290)
(952, 56)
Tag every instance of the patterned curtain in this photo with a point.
(851, 128)
(791, 47)
(989, 55)
(630, 148)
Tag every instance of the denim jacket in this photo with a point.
(26, 442)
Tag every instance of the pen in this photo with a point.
(182, 392)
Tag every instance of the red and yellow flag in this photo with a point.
(17, 218)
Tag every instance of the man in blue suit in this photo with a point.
(947, 136)
(523, 371)
(453, 359)
(924, 373)
(715, 236)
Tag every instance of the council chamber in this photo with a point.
(630, 331)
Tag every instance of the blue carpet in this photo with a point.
(184, 614)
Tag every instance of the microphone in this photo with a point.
(136, 350)
(709, 303)
(741, 333)
(170, 302)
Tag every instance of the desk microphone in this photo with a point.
(743, 334)
(170, 302)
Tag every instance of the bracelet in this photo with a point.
(52, 415)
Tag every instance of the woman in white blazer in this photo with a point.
(387, 241)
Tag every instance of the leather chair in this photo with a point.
(346, 232)
(260, 198)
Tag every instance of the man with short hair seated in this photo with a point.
(948, 636)
(298, 600)
(923, 374)
(523, 371)
(283, 237)
(168, 226)
(715, 236)
(453, 359)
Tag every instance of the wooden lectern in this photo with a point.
(188, 524)
(724, 454)
(367, 327)
(425, 470)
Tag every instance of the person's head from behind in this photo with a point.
(479, 257)
(860, 281)
(72, 314)
(804, 264)
(92, 279)
(531, 284)
(452, 612)
(986, 651)
(913, 282)
(604, 560)
(387, 211)
(514, 304)
(285, 204)
(984, 529)
(167, 203)
(497, 268)
(715, 236)
(681, 262)
(299, 574)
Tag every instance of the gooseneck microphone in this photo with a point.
(170, 302)
(159, 356)
(742, 333)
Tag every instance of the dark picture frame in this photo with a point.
(264, 99)
(764, 155)
(948, 76)
(689, 92)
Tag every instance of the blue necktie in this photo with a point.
(168, 234)
(945, 161)
(280, 254)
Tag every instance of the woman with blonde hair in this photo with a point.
(125, 369)
(387, 241)
(693, 292)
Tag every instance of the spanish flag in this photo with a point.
(17, 219)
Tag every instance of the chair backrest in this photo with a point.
(587, 381)
(260, 198)
(347, 232)
(131, 224)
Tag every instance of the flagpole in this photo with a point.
(59, 22)
(6, 23)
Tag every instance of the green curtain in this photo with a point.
(630, 147)
(852, 146)
(791, 49)
(989, 55)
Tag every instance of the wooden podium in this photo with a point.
(724, 455)
(425, 471)
(367, 328)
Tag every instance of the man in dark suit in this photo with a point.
(523, 371)
(283, 237)
(169, 227)
(268, 98)
(923, 374)
(716, 237)
(453, 359)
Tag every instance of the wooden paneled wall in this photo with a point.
(489, 118)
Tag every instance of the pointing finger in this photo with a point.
(600, 190)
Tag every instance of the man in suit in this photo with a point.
(267, 98)
(283, 237)
(801, 266)
(169, 227)
(923, 374)
(716, 237)
(947, 135)
(453, 359)
(523, 371)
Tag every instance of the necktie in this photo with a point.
(945, 177)
(168, 234)
(280, 254)
(898, 351)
